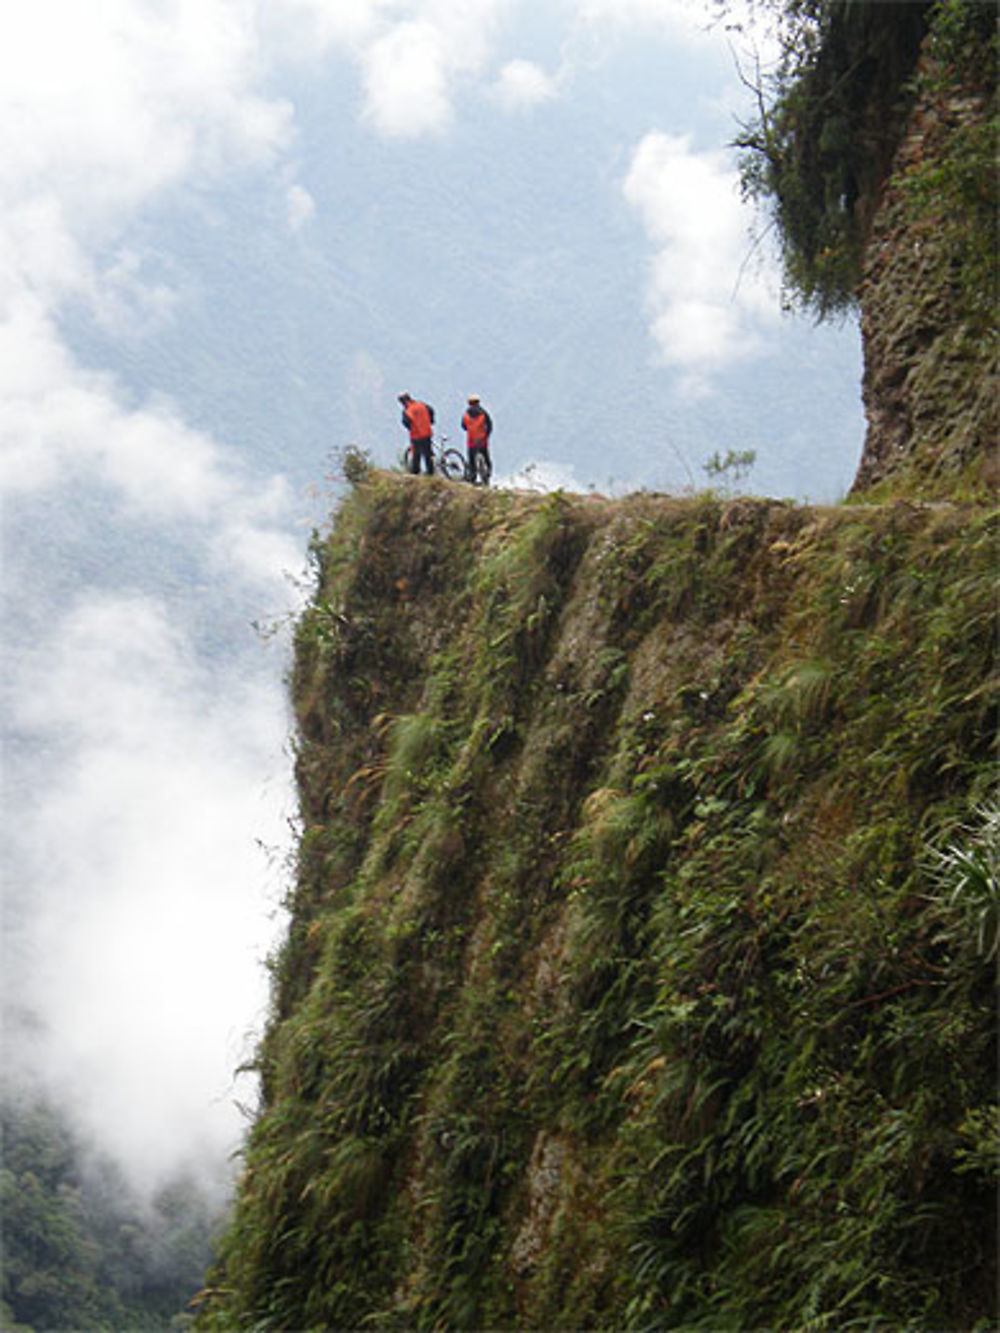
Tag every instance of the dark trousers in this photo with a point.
(421, 449)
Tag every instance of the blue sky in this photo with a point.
(232, 231)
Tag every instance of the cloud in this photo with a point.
(308, 29)
(300, 206)
(64, 427)
(136, 780)
(39, 252)
(101, 112)
(142, 847)
(103, 109)
(129, 302)
(415, 66)
(406, 81)
(706, 310)
(522, 84)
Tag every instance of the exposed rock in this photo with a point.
(930, 384)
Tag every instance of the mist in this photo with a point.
(147, 865)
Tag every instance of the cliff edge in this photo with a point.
(642, 959)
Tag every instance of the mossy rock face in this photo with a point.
(633, 978)
(874, 147)
(931, 385)
(929, 294)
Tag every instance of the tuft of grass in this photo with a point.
(965, 875)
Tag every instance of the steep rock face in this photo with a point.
(928, 298)
(622, 986)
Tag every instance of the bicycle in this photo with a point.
(449, 462)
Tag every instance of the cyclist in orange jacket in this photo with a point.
(478, 428)
(418, 418)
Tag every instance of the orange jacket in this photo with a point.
(477, 427)
(420, 419)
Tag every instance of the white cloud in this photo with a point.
(38, 249)
(522, 84)
(414, 67)
(142, 846)
(128, 302)
(62, 426)
(104, 108)
(303, 29)
(135, 839)
(708, 306)
(467, 29)
(406, 81)
(300, 206)
(101, 111)
(254, 543)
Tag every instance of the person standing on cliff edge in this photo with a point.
(418, 418)
(478, 428)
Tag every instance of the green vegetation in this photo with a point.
(80, 1251)
(830, 118)
(955, 189)
(729, 468)
(642, 961)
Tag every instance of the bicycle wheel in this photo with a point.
(452, 464)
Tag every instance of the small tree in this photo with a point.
(730, 469)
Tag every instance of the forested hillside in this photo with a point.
(81, 1249)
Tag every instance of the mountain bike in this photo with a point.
(449, 462)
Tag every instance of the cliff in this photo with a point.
(928, 294)
(873, 148)
(642, 959)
